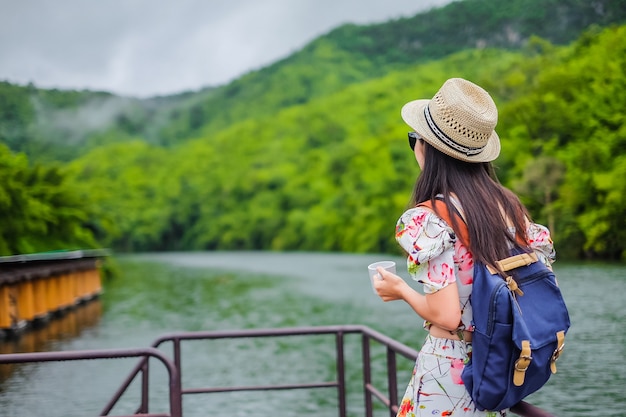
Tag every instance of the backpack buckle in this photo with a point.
(522, 364)
(557, 352)
(560, 338)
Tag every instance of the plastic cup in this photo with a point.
(386, 265)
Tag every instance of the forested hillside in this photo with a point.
(60, 125)
(333, 174)
(331, 171)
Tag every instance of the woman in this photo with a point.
(454, 142)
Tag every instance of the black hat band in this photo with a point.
(446, 139)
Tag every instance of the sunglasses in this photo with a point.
(413, 138)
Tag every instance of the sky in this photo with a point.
(144, 48)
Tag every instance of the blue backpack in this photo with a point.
(519, 323)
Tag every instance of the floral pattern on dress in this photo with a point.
(425, 236)
(541, 242)
(465, 263)
(435, 387)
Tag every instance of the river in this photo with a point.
(159, 293)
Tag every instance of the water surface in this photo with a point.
(158, 293)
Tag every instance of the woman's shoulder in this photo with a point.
(421, 215)
(538, 233)
(428, 240)
(540, 240)
(421, 223)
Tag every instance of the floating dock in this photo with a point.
(34, 287)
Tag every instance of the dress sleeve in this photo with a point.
(541, 242)
(429, 244)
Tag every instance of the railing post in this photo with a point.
(367, 375)
(145, 389)
(176, 396)
(177, 363)
(392, 381)
(341, 377)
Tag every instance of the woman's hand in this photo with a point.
(391, 287)
(441, 308)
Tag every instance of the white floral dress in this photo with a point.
(436, 258)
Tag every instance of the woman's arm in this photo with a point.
(441, 308)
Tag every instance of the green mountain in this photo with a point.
(52, 124)
(334, 173)
(310, 153)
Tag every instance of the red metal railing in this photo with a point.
(177, 338)
(390, 399)
(174, 376)
(393, 348)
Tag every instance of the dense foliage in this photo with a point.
(311, 154)
(39, 210)
(333, 174)
(567, 130)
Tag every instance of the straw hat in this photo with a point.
(459, 121)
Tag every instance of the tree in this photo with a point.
(540, 182)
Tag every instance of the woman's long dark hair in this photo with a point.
(486, 204)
